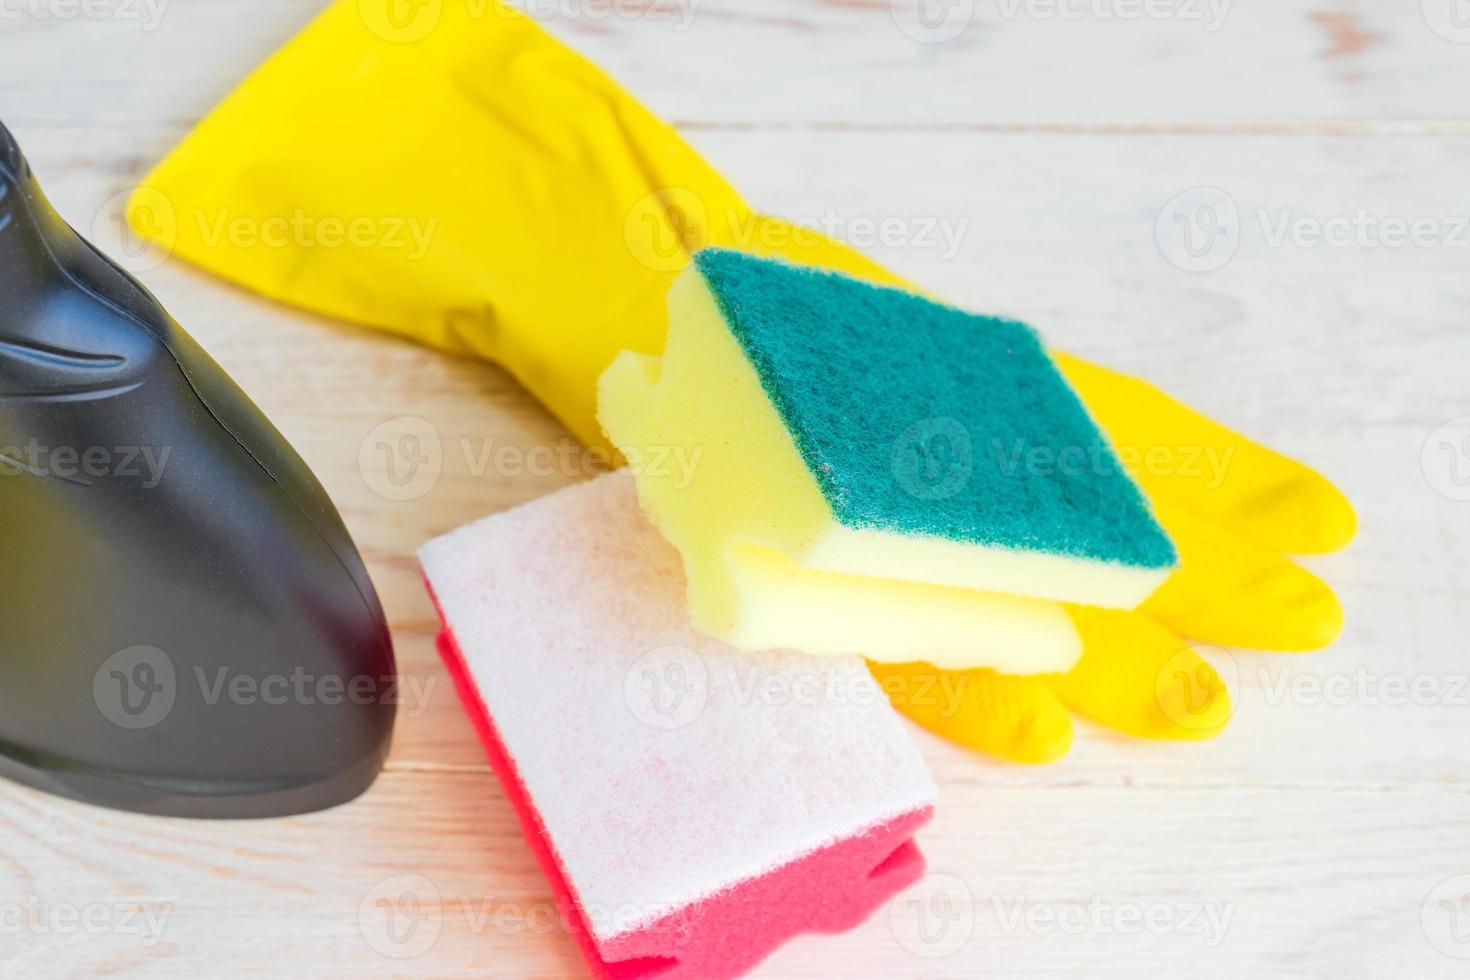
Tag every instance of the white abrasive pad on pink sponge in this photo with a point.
(694, 806)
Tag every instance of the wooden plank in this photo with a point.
(1025, 64)
(1153, 880)
(1030, 64)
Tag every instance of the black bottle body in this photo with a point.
(187, 626)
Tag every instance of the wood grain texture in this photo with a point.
(969, 64)
(1026, 166)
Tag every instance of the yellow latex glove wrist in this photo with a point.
(468, 181)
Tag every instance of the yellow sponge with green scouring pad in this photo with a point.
(864, 470)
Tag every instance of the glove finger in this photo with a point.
(1178, 454)
(1012, 716)
(1235, 593)
(1137, 677)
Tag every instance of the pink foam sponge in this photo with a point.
(694, 806)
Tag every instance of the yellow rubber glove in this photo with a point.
(458, 176)
(1233, 588)
(464, 180)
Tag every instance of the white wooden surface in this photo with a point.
(1323, 832)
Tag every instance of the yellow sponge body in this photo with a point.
(745, 515)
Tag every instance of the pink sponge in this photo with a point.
(693, 806)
